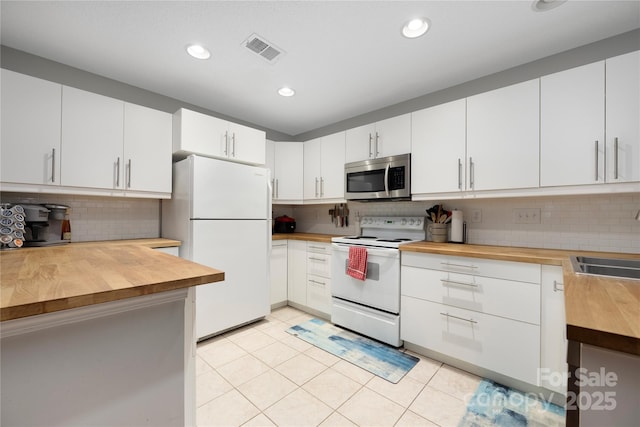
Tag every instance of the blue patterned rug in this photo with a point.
(496, 405)
(377, 358)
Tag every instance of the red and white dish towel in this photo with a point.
(357, 267)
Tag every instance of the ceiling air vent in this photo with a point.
(267, 50)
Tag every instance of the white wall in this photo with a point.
(101, 218)
(597, 222)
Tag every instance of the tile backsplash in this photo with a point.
(594, 222)
(101, 218)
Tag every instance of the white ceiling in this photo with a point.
(343, 58)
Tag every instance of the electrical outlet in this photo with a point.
(476, 215)
(526, 216)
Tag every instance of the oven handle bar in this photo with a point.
(385, 252)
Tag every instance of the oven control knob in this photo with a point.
(411, 222)
(418, 222)
(404, 221)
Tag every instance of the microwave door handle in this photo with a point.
(386, 179)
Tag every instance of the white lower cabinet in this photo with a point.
(297, 272)
(307, 283)
(279, 273)
(502, 345)
(483, 312)
(553, 331)
(319, 277)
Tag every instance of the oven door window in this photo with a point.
(366, 181)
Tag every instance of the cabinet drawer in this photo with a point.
(319, 248)
(319, 293)
(504, 346)
(520, 271)
(319, 264)
(505, 298)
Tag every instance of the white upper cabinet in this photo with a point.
(197, 133)
(30, 151)
(92, 140)
(381, 139)
(324, 160)
(247, 145)
(572, 126)
(147, 149)
(438, 144)
(623, 118)
(285, 160)
(503, 138)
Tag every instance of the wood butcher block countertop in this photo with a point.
(43, 280)
(311, 237)
(599, 311)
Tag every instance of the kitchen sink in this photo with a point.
(610, 267)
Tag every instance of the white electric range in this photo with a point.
(372, 307)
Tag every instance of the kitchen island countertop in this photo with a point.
(43, 280)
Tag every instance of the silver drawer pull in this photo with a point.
(316, 282)
(557, 286)
(317, 259)
(449, 264)
(318, 247)
(454, 282)
(459, 318)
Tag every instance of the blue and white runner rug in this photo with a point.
(495, 404)
(377, 358)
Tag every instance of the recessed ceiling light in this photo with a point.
(198, 51)
(415, 28)
(544, 5)
(286, 91)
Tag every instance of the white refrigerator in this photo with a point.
(221, 211)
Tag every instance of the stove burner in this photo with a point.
(393, 240)
(360, 237)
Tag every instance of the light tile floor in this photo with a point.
(260, 375)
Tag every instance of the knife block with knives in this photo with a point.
(339, 215)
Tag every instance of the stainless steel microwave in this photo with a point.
(387, 178)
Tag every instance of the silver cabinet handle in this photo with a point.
(321, 187)
(277, 188)
(615, 157)
(471, 173)
(449, 264)
(226, 144)
(318, 247)
(459, 174)
(557, 286)
(273, 188)
(316, 282)
(53, 165)
(459, 318)
(118, 172)
(370, 152)
(377, 147)
(233, 145)
(597, 156)
(317, 259)
(129, 174)
(316, 186)
(455, 282)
